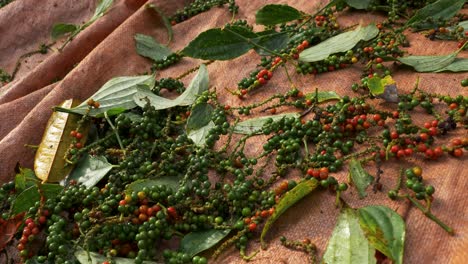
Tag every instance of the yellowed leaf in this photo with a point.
(49, 163)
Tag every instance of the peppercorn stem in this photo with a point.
(115, 131)
(427, 212)
(306, 148)
(253, 43)
(27, 54)
(194, 69)
(248, 257)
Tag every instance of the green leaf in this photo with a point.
(168, 181)
(61, 29)
(377, 85)
(359, 4)
(442, 9)
(25, 200)
(360, 177)
(199, 241)
(429, 63)
(254, 125)
(271, 15)
(101, 9)
(220, 44)
(384, 229)
(271, 40)
(199, 136)
(200, 116)
(323, 96)
(198, 85)
(133, 117)
(117, 93)
(147, 46)
(90, 170)
(384, 88)
(24, 178)
(289, 199)
(347, 243)
(165, 20)
(85, 257)
(50, 191)
(458, 65)
(339, 43)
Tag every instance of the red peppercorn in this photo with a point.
(456, 142)
(156, 208)
(24, 239)
(27, 231)
(310, 171)
(422, 147)
(433, 131)
(35, 230)
(424, 136)
(78, 135)
(379, 60)
(252, 226)
(73, 133)
(377, 117)
(316, 173)
(78, 145)
(42, 220)
(394, 135)
(323, 173)
(457, 152)
(400, 153)
(394, 149)
(366, 124)
(262, 81)
(244, 91)
(143, 208)
(172, 212)
(142, 217)
(438, 151)
(408, 151)
(429, 153)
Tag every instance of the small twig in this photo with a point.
(427, 212)
(115, 131)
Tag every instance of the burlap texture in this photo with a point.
(106, 49)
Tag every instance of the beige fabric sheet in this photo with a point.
(106, 49)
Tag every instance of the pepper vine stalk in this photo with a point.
(115, 131)
(253, 43)
(427, 212)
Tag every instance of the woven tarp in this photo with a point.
(106, 49)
